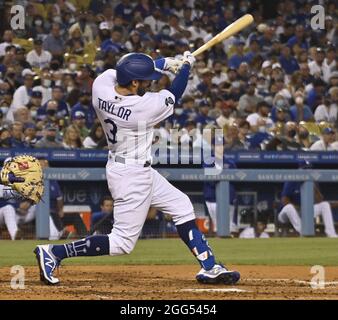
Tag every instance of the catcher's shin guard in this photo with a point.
(197, 243)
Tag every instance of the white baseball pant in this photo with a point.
(28, 217)
(212, 207)
(135, 189)
(7, 217)
(289, 213)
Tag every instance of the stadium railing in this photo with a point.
(89, 156)
(308, 177)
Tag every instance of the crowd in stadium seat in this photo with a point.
(273, 87)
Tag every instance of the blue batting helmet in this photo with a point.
(136, 66)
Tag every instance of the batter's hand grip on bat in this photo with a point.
(229, 31)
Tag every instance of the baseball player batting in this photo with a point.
(128, 114)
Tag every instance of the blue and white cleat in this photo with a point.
(47, 264)
(218, 275)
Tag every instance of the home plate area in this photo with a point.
(170, 282)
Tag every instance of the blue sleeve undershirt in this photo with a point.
(180, 82)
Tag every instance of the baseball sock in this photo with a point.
(90, 246)
(197, 243)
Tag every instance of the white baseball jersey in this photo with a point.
(128, 120)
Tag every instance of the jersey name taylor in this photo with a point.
(128, 121)
(110, 107)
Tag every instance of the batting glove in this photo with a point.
(172, 64)
(189, 58)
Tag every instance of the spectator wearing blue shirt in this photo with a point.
(54, 42)
(145, 36)
(187, 16)
(298, 38)
(124, 10)
(143, 8)
(114, 44)
(300, 111)
(274, 51)
(164, 39)
(315, 95)
(202, 117)
(307, 78)
(188, 111)
(238, 57)
(254, 50)
(85, 106)
(48, 112)
(62, 107)
(266, 39)
(209, 191)
(102, 221)
(224, 16)
(17, 136)
(98, 6)
(287, 31)
(206, 85)
(256, 139)
(58, 96)
(34, 103)
(288, 63)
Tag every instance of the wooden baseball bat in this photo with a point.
(229, 31)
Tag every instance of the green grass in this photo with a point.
(275, 251)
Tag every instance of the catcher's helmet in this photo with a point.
(136, 66)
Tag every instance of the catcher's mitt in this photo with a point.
(25, 168)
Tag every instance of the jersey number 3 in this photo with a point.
(112, 136)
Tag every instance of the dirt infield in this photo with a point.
(170, 282)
